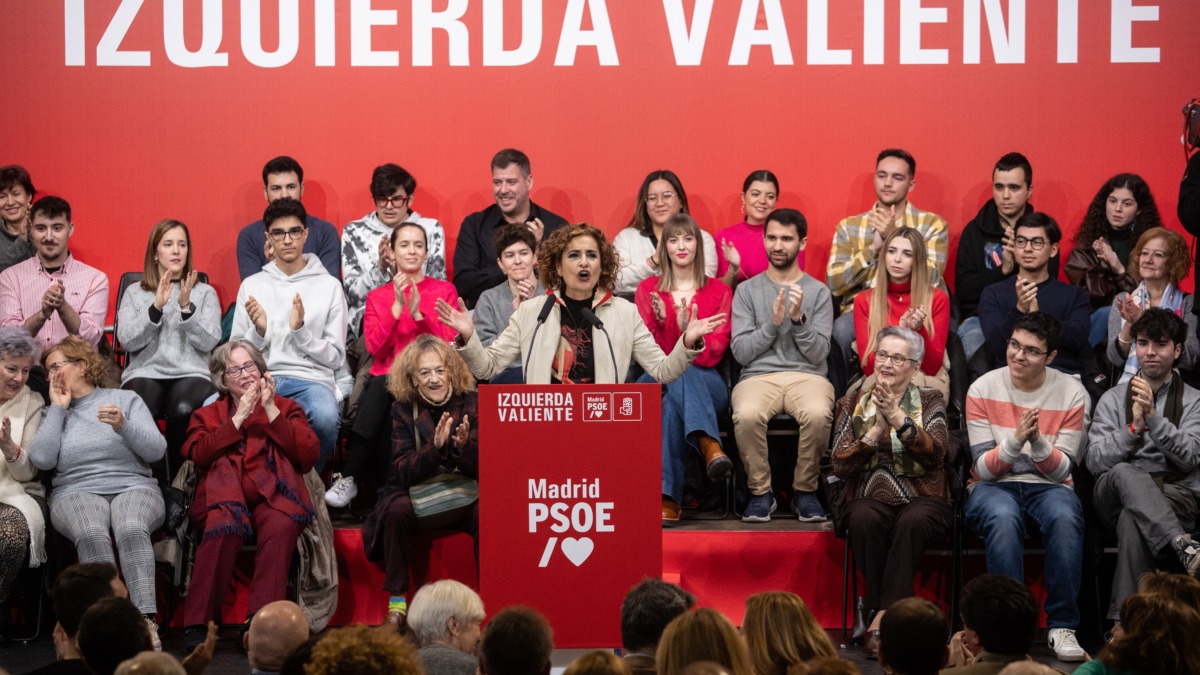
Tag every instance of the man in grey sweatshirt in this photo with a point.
(782, 320)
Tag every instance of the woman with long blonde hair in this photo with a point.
(781, 633)
(904, 296)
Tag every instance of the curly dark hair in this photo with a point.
(1095, 221)
(1179, 259)
(556, 244)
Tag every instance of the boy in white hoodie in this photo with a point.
(295, 312)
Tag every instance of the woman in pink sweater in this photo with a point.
(903, 296)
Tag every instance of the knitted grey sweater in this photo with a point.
(173, 347)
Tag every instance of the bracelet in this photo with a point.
(15, 457)
(1124, 342)
(1134, 430)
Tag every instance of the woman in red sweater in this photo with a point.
(903, 296)
(667, 303)
(395, 315)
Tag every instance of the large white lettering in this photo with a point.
(425, 20)
(108, 51)
(873, 40)
(494, 53)
(1068, 31)
(688, 44)
(211, 27)
(289, 34)
(746, 35)
(819, 52)
(362, 20)
(912, 17)
(326, 33)
(1008, 44)
(574, 36)
(1124, 13)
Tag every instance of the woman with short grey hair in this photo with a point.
(446, 617)
(22, 496)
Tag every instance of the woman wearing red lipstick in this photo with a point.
(169, 324)
(690, 404)
(740, 251)
(903, 296)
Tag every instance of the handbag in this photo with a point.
(444, 498)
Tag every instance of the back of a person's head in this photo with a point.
(827, 665)
(599, 662)
(704, 668)
(647, 609)
(77, 588)
(111, 631)
(151, 663)
(436, 603)
(1028, 668)
(780, 631)
(298, 660)
(1002, 612)
(275, 631)
(364, 650)
(1183, 587)
(1159, 637)
(912, 637)
(702, 635)
(517, 641)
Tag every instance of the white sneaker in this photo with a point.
(1065, 646)
(343, 490)
(153, 628)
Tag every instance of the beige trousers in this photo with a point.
(807, 398)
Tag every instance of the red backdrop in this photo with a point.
(129, 145)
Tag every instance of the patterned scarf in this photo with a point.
(903, 463)
(1172, 299)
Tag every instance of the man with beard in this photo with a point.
(1144, 446)
(782, 319)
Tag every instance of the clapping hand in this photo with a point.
(7, 445)
(914, 318)
(245, 405)
(1143, 401)
(296, 321)
(659, 307)
(1129, 308)
(795, 302)
(698, 328)
(779, 308)
(525, 289)
(186, 284)
(1010, 251)
(1108, 257)
(442, 433)
(387, 257)
(268, 250)
(53, 298)
(1027, 427)
(257, 315)
(1026, 296)
(457, 318)
(732, 256)
(163, 292)
(266, 396)
(462, 433)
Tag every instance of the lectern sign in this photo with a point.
(569, 490)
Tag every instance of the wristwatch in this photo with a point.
(908, 425)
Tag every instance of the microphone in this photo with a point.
(591, 318)
(541, 319)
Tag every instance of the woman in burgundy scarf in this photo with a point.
(251, 449)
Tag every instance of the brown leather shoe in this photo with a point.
(718, 464)
(670, 512)
(398, 620)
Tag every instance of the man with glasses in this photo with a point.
(1144, 447)
(53, 295)
(475, 268)
(858, 240)
(1035, 242)
(367, 261)
(282, 178)
(295, 313)
(1026, 422)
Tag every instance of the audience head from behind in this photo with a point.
(168, 249)
(784, 236)
(1012, 185)
(77, 588)
(447, 613)
(363, 650)
(1158, 637)
(1028, 668)
(16, 196)
(598, 662)
(1032, 347)
(1035, 238)
(895, 177)
(275, 631)
(1180, 586)
(702, 635)
(392, 191)
(912, 638)
(111, 631)
(283, 178)
(301, 656)
(517, 641)
(781, 632)
(1000, 613)
(828, 665)
(645, 612)
(50, 228)
(512, 180)
(151, 663)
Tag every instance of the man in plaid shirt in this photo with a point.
(858, 240)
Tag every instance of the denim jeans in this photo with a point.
(971, 334)
(1099, 331)
(320, 407)
(998, 512)
(689, 407)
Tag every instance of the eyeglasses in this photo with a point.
(294, 233)
(393, 202)
(1037, 243)
(664, 196)
(235, 372)
(1030, 351)
(894, 359)
(55, 367)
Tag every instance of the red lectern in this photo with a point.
(570, 483)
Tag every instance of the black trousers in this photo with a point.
(888, 542)
(174, 400)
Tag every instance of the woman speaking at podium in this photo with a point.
(579, 333)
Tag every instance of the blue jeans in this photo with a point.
(971, 334)
(320, 407)
(1099, 331)
(689, 408)
(998, 512)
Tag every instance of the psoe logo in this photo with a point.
(597, 408)
(579, 519)
(615, 407)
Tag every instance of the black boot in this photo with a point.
(859, 632)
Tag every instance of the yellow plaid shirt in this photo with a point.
(852, 269)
